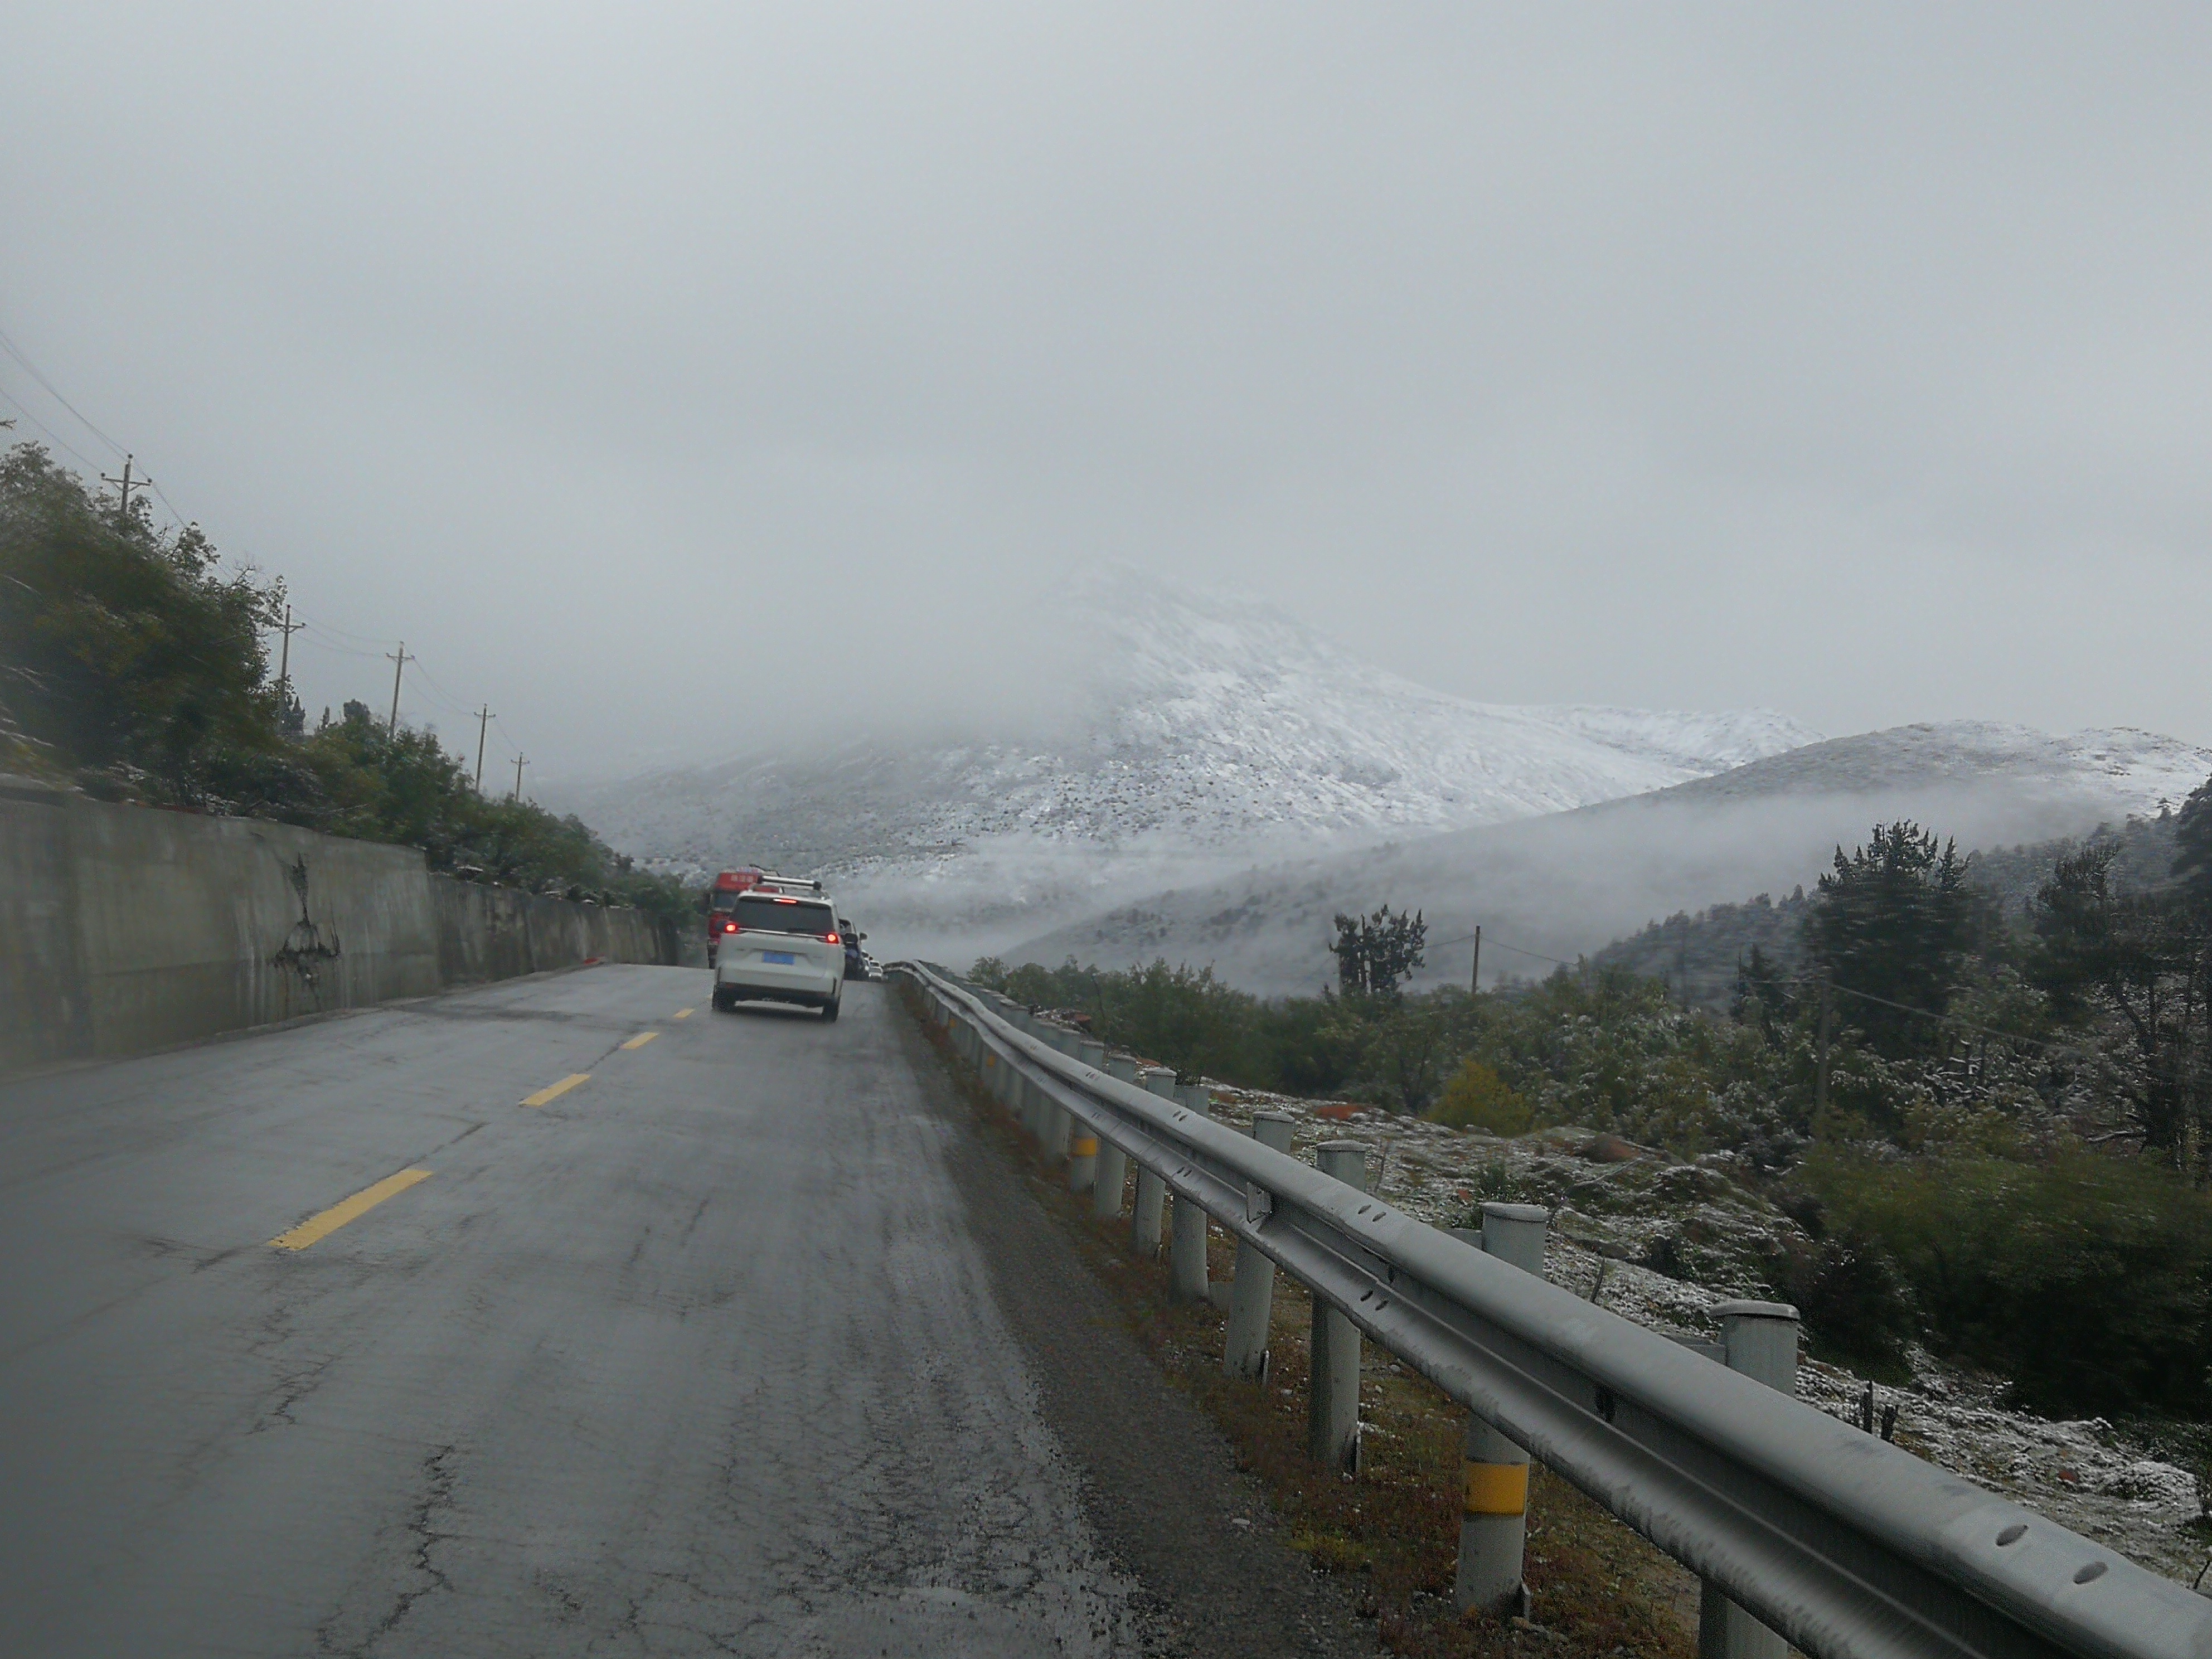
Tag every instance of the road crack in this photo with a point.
(438, 1477)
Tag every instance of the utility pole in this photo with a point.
(1474, 979)
(484, 724)
(398, 666)
(284, 658)
(1820, 1064)
(123, 486)
(518, 764)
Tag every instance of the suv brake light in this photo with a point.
(830, 939)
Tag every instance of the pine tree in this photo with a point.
(1377, 953)
(1892, 922)
(2193, 841)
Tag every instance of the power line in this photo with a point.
(376, 640)
(1518, 950)
(31, 369)
(319, 634)
(51, 436)
(1944, 1020)
(163, 496)
(439, 695)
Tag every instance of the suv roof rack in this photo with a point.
(809, 883)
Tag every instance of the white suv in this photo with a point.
(786, 947)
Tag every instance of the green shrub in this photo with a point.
(2084, 1278)
(1476, 1097)
(1180, 1016)
(1856, 1308)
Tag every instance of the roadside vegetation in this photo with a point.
(1991, 1116)
(134, 665)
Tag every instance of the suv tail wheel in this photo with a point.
(829, 1009)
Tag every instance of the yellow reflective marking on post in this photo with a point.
(323, 1225)
(1087, 1146)
(640, 1039)
(1497, 1488)
(553, 1091)
(990, 1058)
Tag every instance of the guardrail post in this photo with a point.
(1761, 1340)
(1112, 1162)
(1333, 1399)
(1494, 1524)
(1252, 1291)
(1151, 1191)
(1049, 1121)
(1187, 1236)
(1082, 1154)
(1055, 1125)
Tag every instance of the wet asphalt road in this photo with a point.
(748, 1344)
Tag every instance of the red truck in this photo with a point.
(722, 902)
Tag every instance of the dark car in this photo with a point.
(856, 965)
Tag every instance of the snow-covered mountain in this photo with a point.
(1567, 883)
(1200, 734)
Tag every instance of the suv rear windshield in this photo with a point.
(758, 913)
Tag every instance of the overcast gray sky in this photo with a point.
(1855, 361)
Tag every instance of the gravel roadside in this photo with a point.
(1159, 1479)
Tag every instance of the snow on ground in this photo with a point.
(2082, 1475)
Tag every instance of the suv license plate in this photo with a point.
(783, 956)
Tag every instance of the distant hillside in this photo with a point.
(1569, 884)
(1696, 955)
(2143, 862)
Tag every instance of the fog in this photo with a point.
(1543, 890)
(669, 377)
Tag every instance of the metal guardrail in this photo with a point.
(1850, 1547)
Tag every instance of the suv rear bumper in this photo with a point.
(805, 981)
(750, 993)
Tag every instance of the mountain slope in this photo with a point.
(1563, 885)
(1198, 734)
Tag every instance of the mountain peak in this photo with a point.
(1209, 731)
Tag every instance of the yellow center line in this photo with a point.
(321, 1226)
(553, 1091)
(640, 1039)
(683, 1013)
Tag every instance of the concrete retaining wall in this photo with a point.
(124, 928)
(496, 933)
